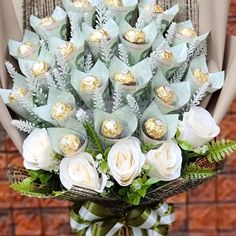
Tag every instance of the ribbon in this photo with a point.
(92, 219)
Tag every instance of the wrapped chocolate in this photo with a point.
(115, 126)
(162, 17)
(131, 79)
(198, 75)
(68, 142)
(55, 25)
(137, 42)
(72, 51)
(27, 49)
(185, 32)
(83, 10)
(87, 84)
(169, 97)
(94, 37)
(59, 108)
(121, 9)
(169, 58)
(157, 128)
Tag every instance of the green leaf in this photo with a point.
(185, 145)
(95, 140)
(151, 181)
(146, 147)
(106, 152)
(104, 166)
(45, 177)
(219, 150)
(142, 192)
(123, 191)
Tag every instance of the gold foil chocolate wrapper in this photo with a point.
(114, 3)
(26, 49)
(201, 76)
(98, 35)
(111, 129)
(66, 49)
(61, 111)
(155, 129)
(135, 36)
(15, 93)
(166, 94)
(70, 144)
(82, 3)
(158, 9)
(166, 57)
(90, 84)
(47, 21)
(187, 33)
(39, 68)
(125, 77)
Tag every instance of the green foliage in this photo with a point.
(137, 190)
(40, 176)
(195, 172)
(218, 150)
(95, 141)
(146, 147)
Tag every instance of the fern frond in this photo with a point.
(133, 105)
(24, 126)
(171, 33)
(219, 150)
(101, 15)
(106, 52)
(59, 80)
(11, 70)
(117, 98)
(123, 54)
(179, 74)
(82, 116)
(98, 101)
(75, 20)
(95, 140)
(88, 62)
(50, 81)
(195, 172)
(192, 49)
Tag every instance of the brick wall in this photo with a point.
(210, 210)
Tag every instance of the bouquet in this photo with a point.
(109, 95)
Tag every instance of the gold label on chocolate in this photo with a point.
(166, 56)
(61, 111)
(188, 33)
(155, 129)
(114, 3)
(111, 129)
(66, 49)
(47, 21)
(70, 144)
(166, 94)
(158, 9)
(39, 68)
(15, 93)
(125, 77)
(98, 35)
(26, 49)
(82, 3)
(201, 76)
(90, 83)
(135, 36)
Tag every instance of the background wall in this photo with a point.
(210, 210)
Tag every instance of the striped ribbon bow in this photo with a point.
(92, 219)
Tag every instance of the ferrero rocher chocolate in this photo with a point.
(47, 21)
(188, 32)
(166, 94)
(166, 56)
(154, 128)
(135, 36)
(111, 129)
(18, 92)
(98, 35)
(201, 76)
(70, 144)
(125, 77)
(40, 68)
(67, 49)
(90, 83)
(114, 3)
(82, 3)
(158, 9)
(26, 49)
(61, 111)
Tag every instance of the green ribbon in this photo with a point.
(92, 219)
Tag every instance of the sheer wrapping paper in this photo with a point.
(221, 56)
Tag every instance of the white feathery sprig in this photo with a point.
(117, 98)
(123, 54)
(75, 20)
(50, 81)
(106, 52)
(88, 62)
(11, 70)
(98, 101)
(59, 80)
(133, 105)
(82, 116)
(179, 74)
(171, 33)
(24, 126)
(101, 15)
(193, 48)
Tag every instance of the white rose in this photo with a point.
(80, 170)
(198, 127)
(165, 161)
(125, 160)
(37, 151)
